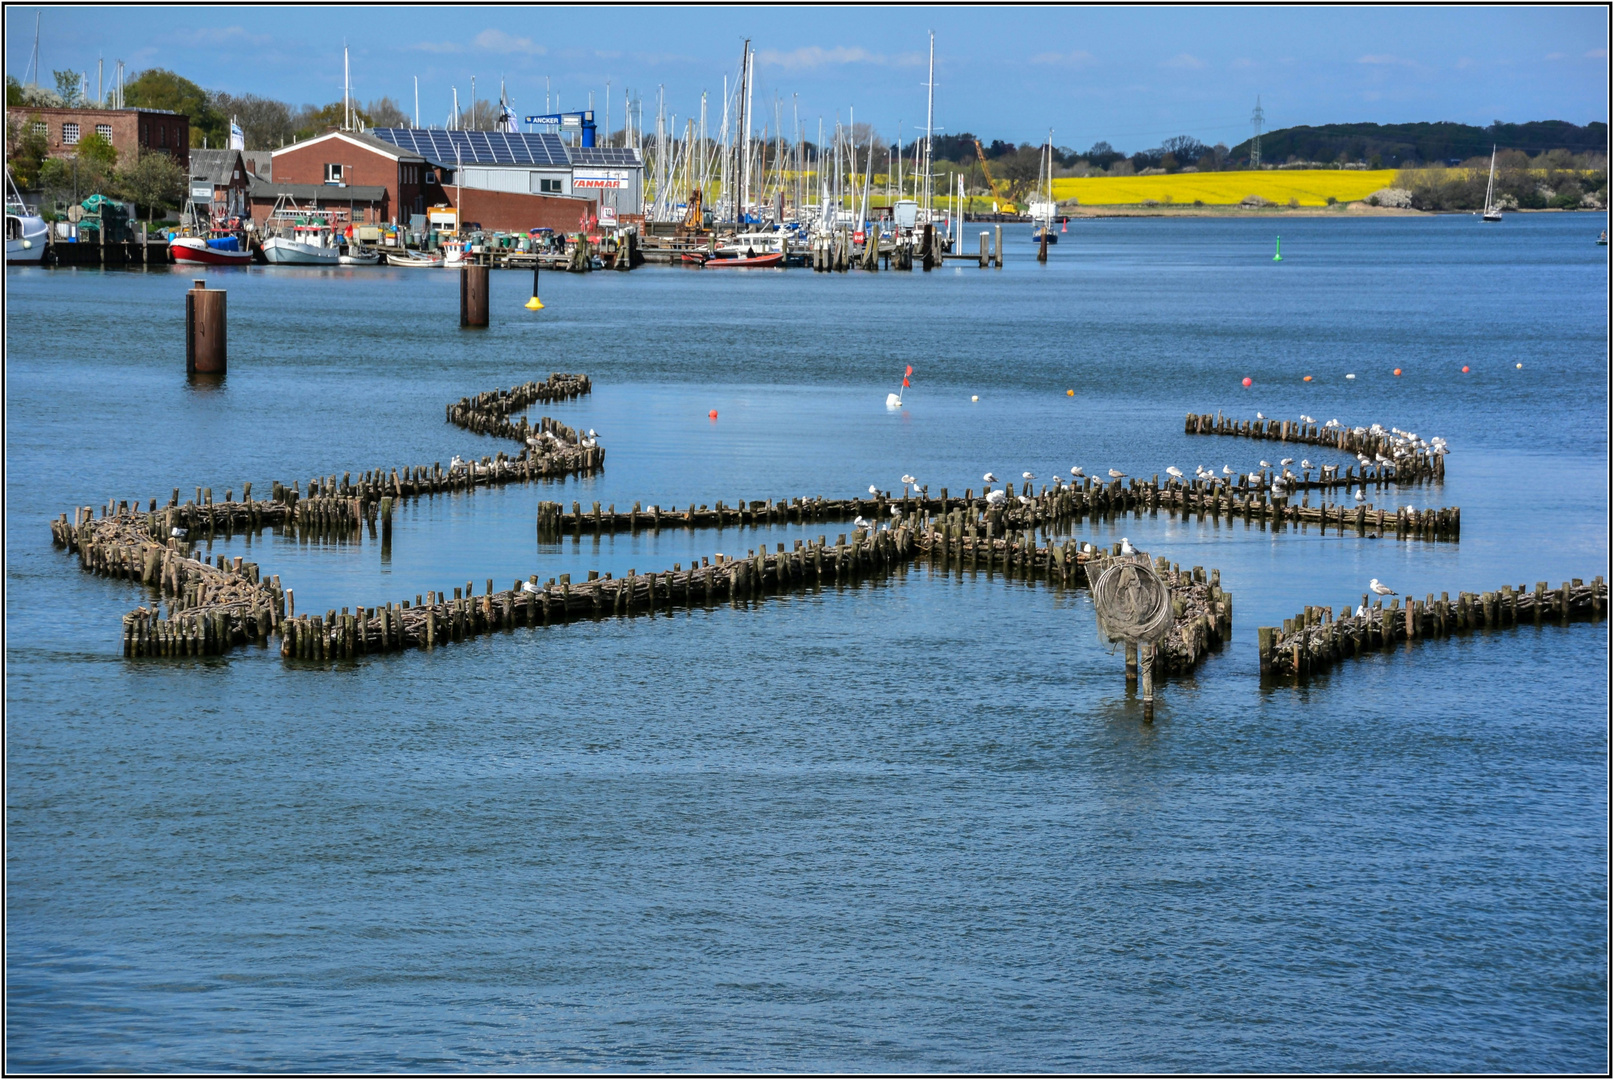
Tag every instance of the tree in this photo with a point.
(158, 88)
(13, 92)
(155, 181)
(95, 151)
(26, 151)
(67, 87)
(265, 122)
(311, 121)
(384, 112)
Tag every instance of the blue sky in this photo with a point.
(1131, 76)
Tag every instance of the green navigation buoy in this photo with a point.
(1277, 256)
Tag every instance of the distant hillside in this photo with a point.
(1396, 145)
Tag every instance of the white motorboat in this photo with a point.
(353, 255)
(309, 245)
(414, 259)
(25, 229)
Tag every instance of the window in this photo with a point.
(162, 135)
(70, 134)
(105, 131)
(546, 186)
(333, 174)
(41, 128)
(431, 177)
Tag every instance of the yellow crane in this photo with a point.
(1002, 194)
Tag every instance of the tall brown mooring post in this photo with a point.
(205, 330)
(474, 296)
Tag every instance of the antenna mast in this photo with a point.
(1256, 119)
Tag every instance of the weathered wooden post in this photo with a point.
(1042, 246)
(474, 296)
(985, 258)
(1134, 605)
(205, 330)
(997, 246)
(927, 248)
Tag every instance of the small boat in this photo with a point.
(25, 229)
(694, 258)
(1602, 238)
(772, 258)
(309, 245)
(416, 259)
(1042, 206)
(1493, 212)
(209, 251)
(353, 255)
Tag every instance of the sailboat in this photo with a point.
(1492, 212)
(1042, 205)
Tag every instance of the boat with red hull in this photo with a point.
(198, 249)
(772, 258)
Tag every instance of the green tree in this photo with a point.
(312, 121)
(26, 150)
(13, 92)
(384, 112)
(155, 182)
(158, 88)
(67, 85)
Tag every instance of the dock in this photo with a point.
(1315, 639)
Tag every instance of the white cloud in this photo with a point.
(812, 56)
(1555, 56)
(1379, 59)
(1597, 54)
(1184, 62)
(495, 40)
(1078, 58)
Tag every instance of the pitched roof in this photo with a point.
(216, 165)
(330, 193)
(362, 139)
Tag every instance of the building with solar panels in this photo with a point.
(493, 180)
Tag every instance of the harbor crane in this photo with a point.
(1002, 195)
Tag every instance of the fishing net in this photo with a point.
(1131, 601)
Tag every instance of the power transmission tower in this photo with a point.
(1255, 144)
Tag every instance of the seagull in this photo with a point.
(456, 462)
(177, 532)
(896, 511)
(873, 490)
(1381, 589)
(1057, 479)
(1255, 478)
(1127, 548)
(996, 497)
(1259, 416)
(990, 479)
(1287, 461)
(1266, 464)
(1305, 463)
(593, 434)
(861, 523)
(1023, 500)
(1028, 476)
(1172, 470)
(1116, 474)
(1227, 470)
(906, 479)
(531, 587)
(1075, 470)
(1361, 610)
(1358, 496)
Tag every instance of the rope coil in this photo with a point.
(1132, 602)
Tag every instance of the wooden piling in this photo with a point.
(474, 296)
(205, 330)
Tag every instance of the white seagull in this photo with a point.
(531, 587)
(177, 532)
(861, 523)
(1381, 589)
(873, 490)
(1361, 610)
(1266, 464)
(1359, 497)
(990, 479)
(1259, 416)
(1127, 548)
(906, 479)
(1075, 470)
(1286, 461)
(455, 462)
(996, 497)
(896, 511)
(1305, 463)
(1227, 470)
(1028, 476)
(1023, 500)
(1172, 470)
(1116, 474)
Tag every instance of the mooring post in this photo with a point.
(1146, 682)
(985, 256)
(474, 296)
(205, 330)
(997, 246)
(1131, 661)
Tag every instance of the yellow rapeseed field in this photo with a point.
(1311, 187)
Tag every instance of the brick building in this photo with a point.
(412, 183)
(128, 130)
(220, 183)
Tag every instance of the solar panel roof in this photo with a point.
(618, 156)
(446, 148)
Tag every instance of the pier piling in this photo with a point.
(205, 330)
(474, 296)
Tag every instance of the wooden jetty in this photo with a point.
(1409, 467)
(1053, 506)
(1315, 639)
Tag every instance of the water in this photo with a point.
(914, 824)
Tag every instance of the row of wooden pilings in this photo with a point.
(1052, 506)
(1410, 466)
(1315, 639)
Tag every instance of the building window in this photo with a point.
(105, 131)
(162, 135)
(41, 128)
(70, 134)
(549, 187)
(333, 174)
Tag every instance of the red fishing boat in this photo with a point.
(772, 258)
(219, 251)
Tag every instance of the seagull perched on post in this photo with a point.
(861, 523)
(1381, 589)
(1127, 548)
(1286, 461)
(1359, 496)
(455, 462)
(1075, 470)
(996, 497)
(990, 479)
(1227, 470)
(1259, 416)
(177, 533)
(906, 479)
(1305, 463)
(1023, 500)
(873, 490)
(1173, 471)
(531, 587)
(1028, 476)
(1116, 474)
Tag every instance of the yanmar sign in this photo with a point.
(600, 178)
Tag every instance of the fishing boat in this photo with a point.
(25, 229)
(1602, 238)
(423, 260)
(209, 251)
(772, 258)
(1492, 212)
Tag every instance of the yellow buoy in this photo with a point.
(1070, 393)
(534, 304)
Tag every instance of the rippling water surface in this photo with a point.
(914, 824)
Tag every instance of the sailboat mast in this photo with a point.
(930, 118)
